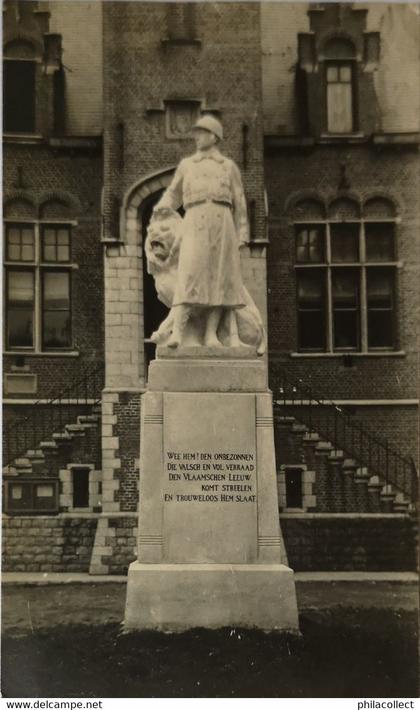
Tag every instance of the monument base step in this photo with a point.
(177, 597)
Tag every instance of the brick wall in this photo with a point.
(47, 544)
(127, 428)
(347, 543)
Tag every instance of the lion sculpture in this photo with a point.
(162, 244)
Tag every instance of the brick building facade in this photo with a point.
(329, 164)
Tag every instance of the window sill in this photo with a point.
(62, 265)
(181, 42)
(347, 264)
(22, 138)
(53, 353)
(343, 138)
(372, 353)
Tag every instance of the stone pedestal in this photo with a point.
(210, 549)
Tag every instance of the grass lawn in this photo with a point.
(342, 652)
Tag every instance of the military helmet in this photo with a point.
(209, 123)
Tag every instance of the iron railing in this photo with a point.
(348, 435)
(47, 417)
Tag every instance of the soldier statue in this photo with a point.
(208, 271)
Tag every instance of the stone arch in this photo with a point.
(380, 206)
(309, 209)
(54, 200)
(20, 49)
(344, 208)
(305, 203)
(338, 47)
(130, 229)
(19, 207)
(23, 46)
(55, 209)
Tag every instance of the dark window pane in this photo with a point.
(310, 288)
(311, 310)
(380, 297)
(293, 477)
(20, 308)
(379, 288)
(380, 329)
(379, 241)
(56, 310)
(311, 330)
(345, 242)
(19, 96)
(56, 329)
(310, 244)
(345, 329)
(345, 296)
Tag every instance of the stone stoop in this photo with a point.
(59, 451)
(341, 484)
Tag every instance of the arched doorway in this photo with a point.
(154, 310)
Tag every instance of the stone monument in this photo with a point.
(210, 548)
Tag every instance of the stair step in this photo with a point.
(324, 447)
(349, 463)
(401, 503)
(62, 436)
(374, 483)
(9, 470)
(299, 428)
(361, 475)
(34, 453)
(75, 428)
(22, 463)
(336, 454)
(388, 492)
(311, 436)
(88, 418)
(48, 445)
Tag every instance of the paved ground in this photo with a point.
(26, 607)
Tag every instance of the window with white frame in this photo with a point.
(340, 77)
(346, 283)
(37, 286)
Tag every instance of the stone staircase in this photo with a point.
(73, 443)
(342, 484)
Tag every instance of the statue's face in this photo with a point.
(204, 139)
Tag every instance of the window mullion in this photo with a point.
(38, 286)
(363, 292)
(329, 291)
